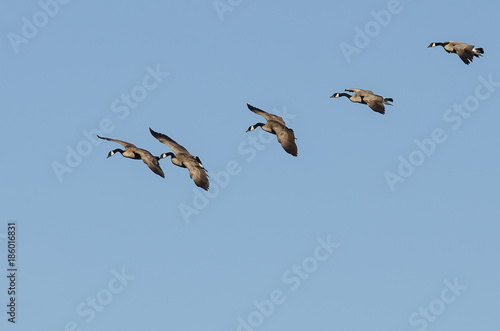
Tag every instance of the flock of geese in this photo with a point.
(274, 125)
(181, 158)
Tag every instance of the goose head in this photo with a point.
(113, 152)
(255, 126)
(338, 95)
(164, 155)
(438, 44)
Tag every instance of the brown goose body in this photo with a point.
(133, 152)
(276, 125)
(182, 158)
(465, 51)
(366, 97)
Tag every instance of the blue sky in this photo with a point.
(382, 222)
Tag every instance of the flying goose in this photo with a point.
(182, 158)
(133, 152)
(465, 51)
(367, 97)
(276, 125)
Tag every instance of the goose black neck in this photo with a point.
(164, 155)
(255, 126)
(113, 152)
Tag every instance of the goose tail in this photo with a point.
(479, 50)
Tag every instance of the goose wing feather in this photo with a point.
(266, 115)
(121, 142)
(198, 174)
(174, 146)
(151, 161)
(286, 138)
(358, 90)
(375, 102)
(465, 52)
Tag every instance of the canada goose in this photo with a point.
(465, 51)
(182, 158)
(367, 97)
(133, 152)
(276, 125)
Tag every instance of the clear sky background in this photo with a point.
(105, 244)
